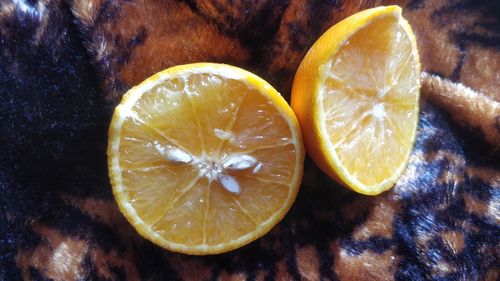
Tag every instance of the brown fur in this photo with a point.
(469, 108)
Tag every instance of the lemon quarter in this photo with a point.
(356, 95)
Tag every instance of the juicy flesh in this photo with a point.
(211, 119)
(370, 99)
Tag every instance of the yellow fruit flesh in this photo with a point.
(369, 101)
(212, 117)
(356, 96)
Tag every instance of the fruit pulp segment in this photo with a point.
(370, 87)
(210, 119)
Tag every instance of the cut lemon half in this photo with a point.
(356, 95)
(204, 158)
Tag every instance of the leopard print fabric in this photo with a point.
(65, 65)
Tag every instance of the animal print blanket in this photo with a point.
(65, 64)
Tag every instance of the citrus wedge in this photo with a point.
(204, 158)
(356, 96)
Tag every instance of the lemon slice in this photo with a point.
(204, 158)
(356, 96)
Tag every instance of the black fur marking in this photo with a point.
(215, 275)
(71, 221)
(255, 33)
(485, 41)
(488, 33)
(484, 33)
(375, 244)
(328, 199)
(434, 211)
(326, 260)
(11, 230)
(474, 147)
(37, 275)
(54, 133)
(455, 75)
(192, 5)
(415, 4)
(302, 36)
(118, 272)
(152, 264)
(90, 269)
(108, 11)
(410, 267)
(139, 38)
(125, 50)
(247, 259)
(480, 190)
(271, 272)
(291, 253)
(299, 38)
(319, 13)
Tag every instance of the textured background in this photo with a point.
(65, 65)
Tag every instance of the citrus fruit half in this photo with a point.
(356, 95)
(204, 158)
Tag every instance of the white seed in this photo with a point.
(223, 135)
(257, 168)
(239, 162)
(229, 183)
(177, 156)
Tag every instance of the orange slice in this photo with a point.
(204, 158)
(356, 96)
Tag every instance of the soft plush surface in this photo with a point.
(65, 65)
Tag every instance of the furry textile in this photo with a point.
(65, 65)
